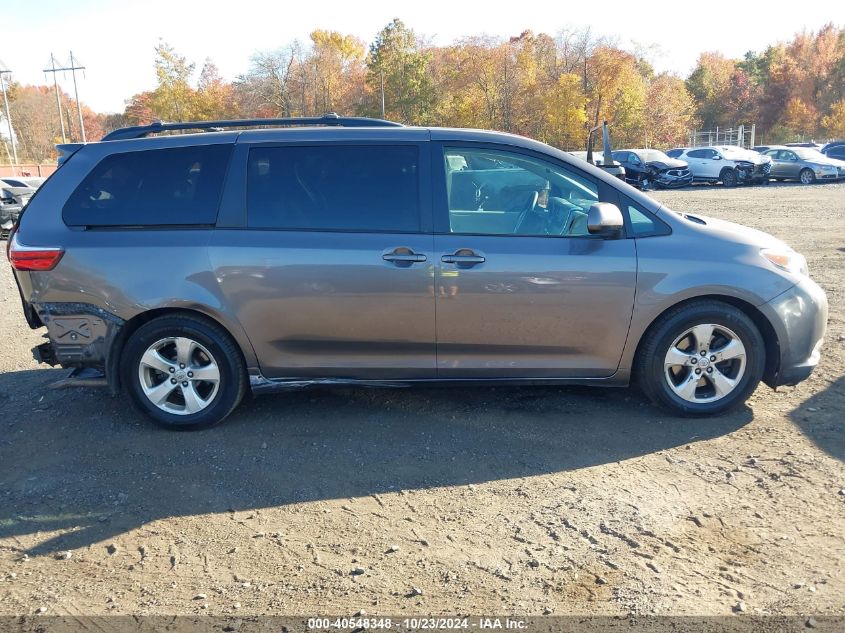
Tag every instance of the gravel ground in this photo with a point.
(529, 501)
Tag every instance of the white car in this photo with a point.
(727, 164)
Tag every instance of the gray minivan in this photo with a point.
(189, 268)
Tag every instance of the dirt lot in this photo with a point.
(530, 501)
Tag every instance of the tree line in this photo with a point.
(549, 87)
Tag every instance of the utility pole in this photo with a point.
(3, 72)
(54, 70)
(381, 70)
(73, 69)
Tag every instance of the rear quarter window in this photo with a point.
(172, 186)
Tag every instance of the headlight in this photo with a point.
(787, 260)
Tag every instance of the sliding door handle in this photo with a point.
(463, 256)
(391, 257)
(403, 256)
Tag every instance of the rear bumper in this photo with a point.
(799, 317)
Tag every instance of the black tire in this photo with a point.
(223, 351)
(649, 366)
(728, 177)
(806, 176)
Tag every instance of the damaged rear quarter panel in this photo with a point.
(81, 334)
(125, 273)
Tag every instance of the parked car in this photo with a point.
(32, 181)
(804, 164)
(809, 144)
(726, 164)
(16, 181)
(191, 268)
(12, 201)
(9, 213)
(645, 168)
(834, 149)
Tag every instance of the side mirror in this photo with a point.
(717, 158)
(604, 219)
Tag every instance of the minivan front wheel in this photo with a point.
(702, 358)
(185, 372)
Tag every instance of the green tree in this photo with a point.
(397, 75)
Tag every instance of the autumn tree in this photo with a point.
(214, 98)
(174, 99)
(670, 112)
(834, 123)
(36, 120)
(338, 63)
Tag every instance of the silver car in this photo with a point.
(805, 164)
(189, 269)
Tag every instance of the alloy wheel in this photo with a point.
(705, 363)
(179, 375)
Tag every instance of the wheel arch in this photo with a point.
(767, 330)
(112, 364)
(726, 169)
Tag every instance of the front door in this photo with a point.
(523, 290)
(332, 276)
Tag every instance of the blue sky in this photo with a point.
(115, 39)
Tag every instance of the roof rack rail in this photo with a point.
(331, 118)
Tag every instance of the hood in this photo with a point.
(828, 161)
(734, 232)
(668, 163)
(749, 157)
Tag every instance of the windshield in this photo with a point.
(651, 155)
(807, 153)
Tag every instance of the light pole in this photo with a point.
(8, 114)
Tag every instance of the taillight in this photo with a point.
(32, 258)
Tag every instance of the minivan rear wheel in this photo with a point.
(185, 372)
(701, 358)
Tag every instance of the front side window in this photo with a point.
(698, 153)
(495, 192)
(334, 187)
(173, 186)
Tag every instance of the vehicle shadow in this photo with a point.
(85, 464)
(820, 419)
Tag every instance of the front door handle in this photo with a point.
(403, 256)
(463, 256)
